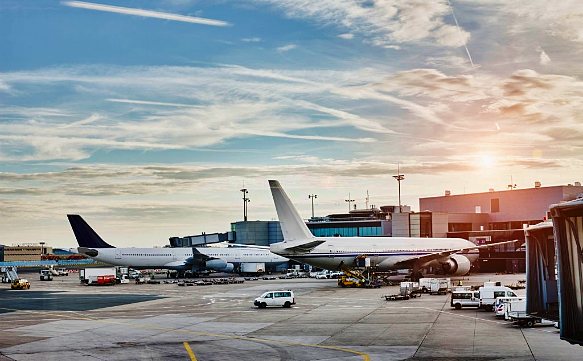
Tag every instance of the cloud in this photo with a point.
(383, 23)
(544, 58)
(148, 102)
(144, 13)
(252, 40)
(347, 36)
(286, 48)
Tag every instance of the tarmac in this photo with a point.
(63, 320)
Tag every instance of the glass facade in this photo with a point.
(335, 231)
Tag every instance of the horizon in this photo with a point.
(148, 118)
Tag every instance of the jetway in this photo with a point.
(568, 233)
(542, 297)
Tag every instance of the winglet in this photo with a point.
(292, 225)
(86, 236)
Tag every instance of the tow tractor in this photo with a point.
(20, 284)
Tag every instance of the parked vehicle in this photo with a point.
(96, 276)
(63, 271)
(20, 284)
(489, 293)
(465, 298)
(501, 304)
(275, 298)
(46, 275)
(323, 274)
(253, 267)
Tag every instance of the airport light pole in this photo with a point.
(312, 196)
(245, 201)
(349, 200)
(399, 177)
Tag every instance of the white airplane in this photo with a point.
(195, 259)
(453, 255)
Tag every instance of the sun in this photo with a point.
(487, 160)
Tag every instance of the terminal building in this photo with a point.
(487, 217)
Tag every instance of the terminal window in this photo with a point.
(494, 205)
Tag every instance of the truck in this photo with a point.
(489, 292)
(46, 275)
(253, 267)
(97, 276)
(435, 286)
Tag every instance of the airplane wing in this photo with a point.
(421, 260)
(303, 247)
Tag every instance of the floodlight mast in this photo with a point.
(399, 177)
(245, 201)
(349, 200)
(312, 196)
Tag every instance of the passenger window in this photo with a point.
(269, 295)
(499, 294)
(511, 294)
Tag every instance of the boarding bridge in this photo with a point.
(542, 297)
(9, 274)
(568, 232)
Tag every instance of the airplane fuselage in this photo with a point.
(384, 252)
(175, 258)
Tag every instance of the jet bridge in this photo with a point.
(568, 232)
(542, 298)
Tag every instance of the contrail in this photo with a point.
(144, 13)
(460, 31)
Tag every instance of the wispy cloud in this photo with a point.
(144, 13)
(148, 102)
(346, 36)
(286, 48)
(251, 40)
(383, 23)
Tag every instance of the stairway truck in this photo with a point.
(90, 276)
(253, 267)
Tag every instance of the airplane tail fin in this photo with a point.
(86, 236)
(292, 225)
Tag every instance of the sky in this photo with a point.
(148, 117)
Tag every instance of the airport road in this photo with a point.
(62, 320)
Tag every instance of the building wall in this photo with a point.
(401, 225)
(439, 224)
(513, 205)
(22, 253)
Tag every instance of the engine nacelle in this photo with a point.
(219, 265)
(456, 265)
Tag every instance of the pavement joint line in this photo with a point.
(365, 356)
(189, 350)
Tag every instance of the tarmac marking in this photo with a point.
(365, 356)
(189, 350)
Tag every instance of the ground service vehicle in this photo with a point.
(465, 298)
(253, 267)
(89, 276)
(501, 305)
(489, 293)
(46, 275)
(275, 298)
(20, 284)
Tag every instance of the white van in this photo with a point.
(502, 303)
(488, 295)
(465, 298)
(275, 298)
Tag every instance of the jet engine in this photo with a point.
(456, 265)
(219, 265)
